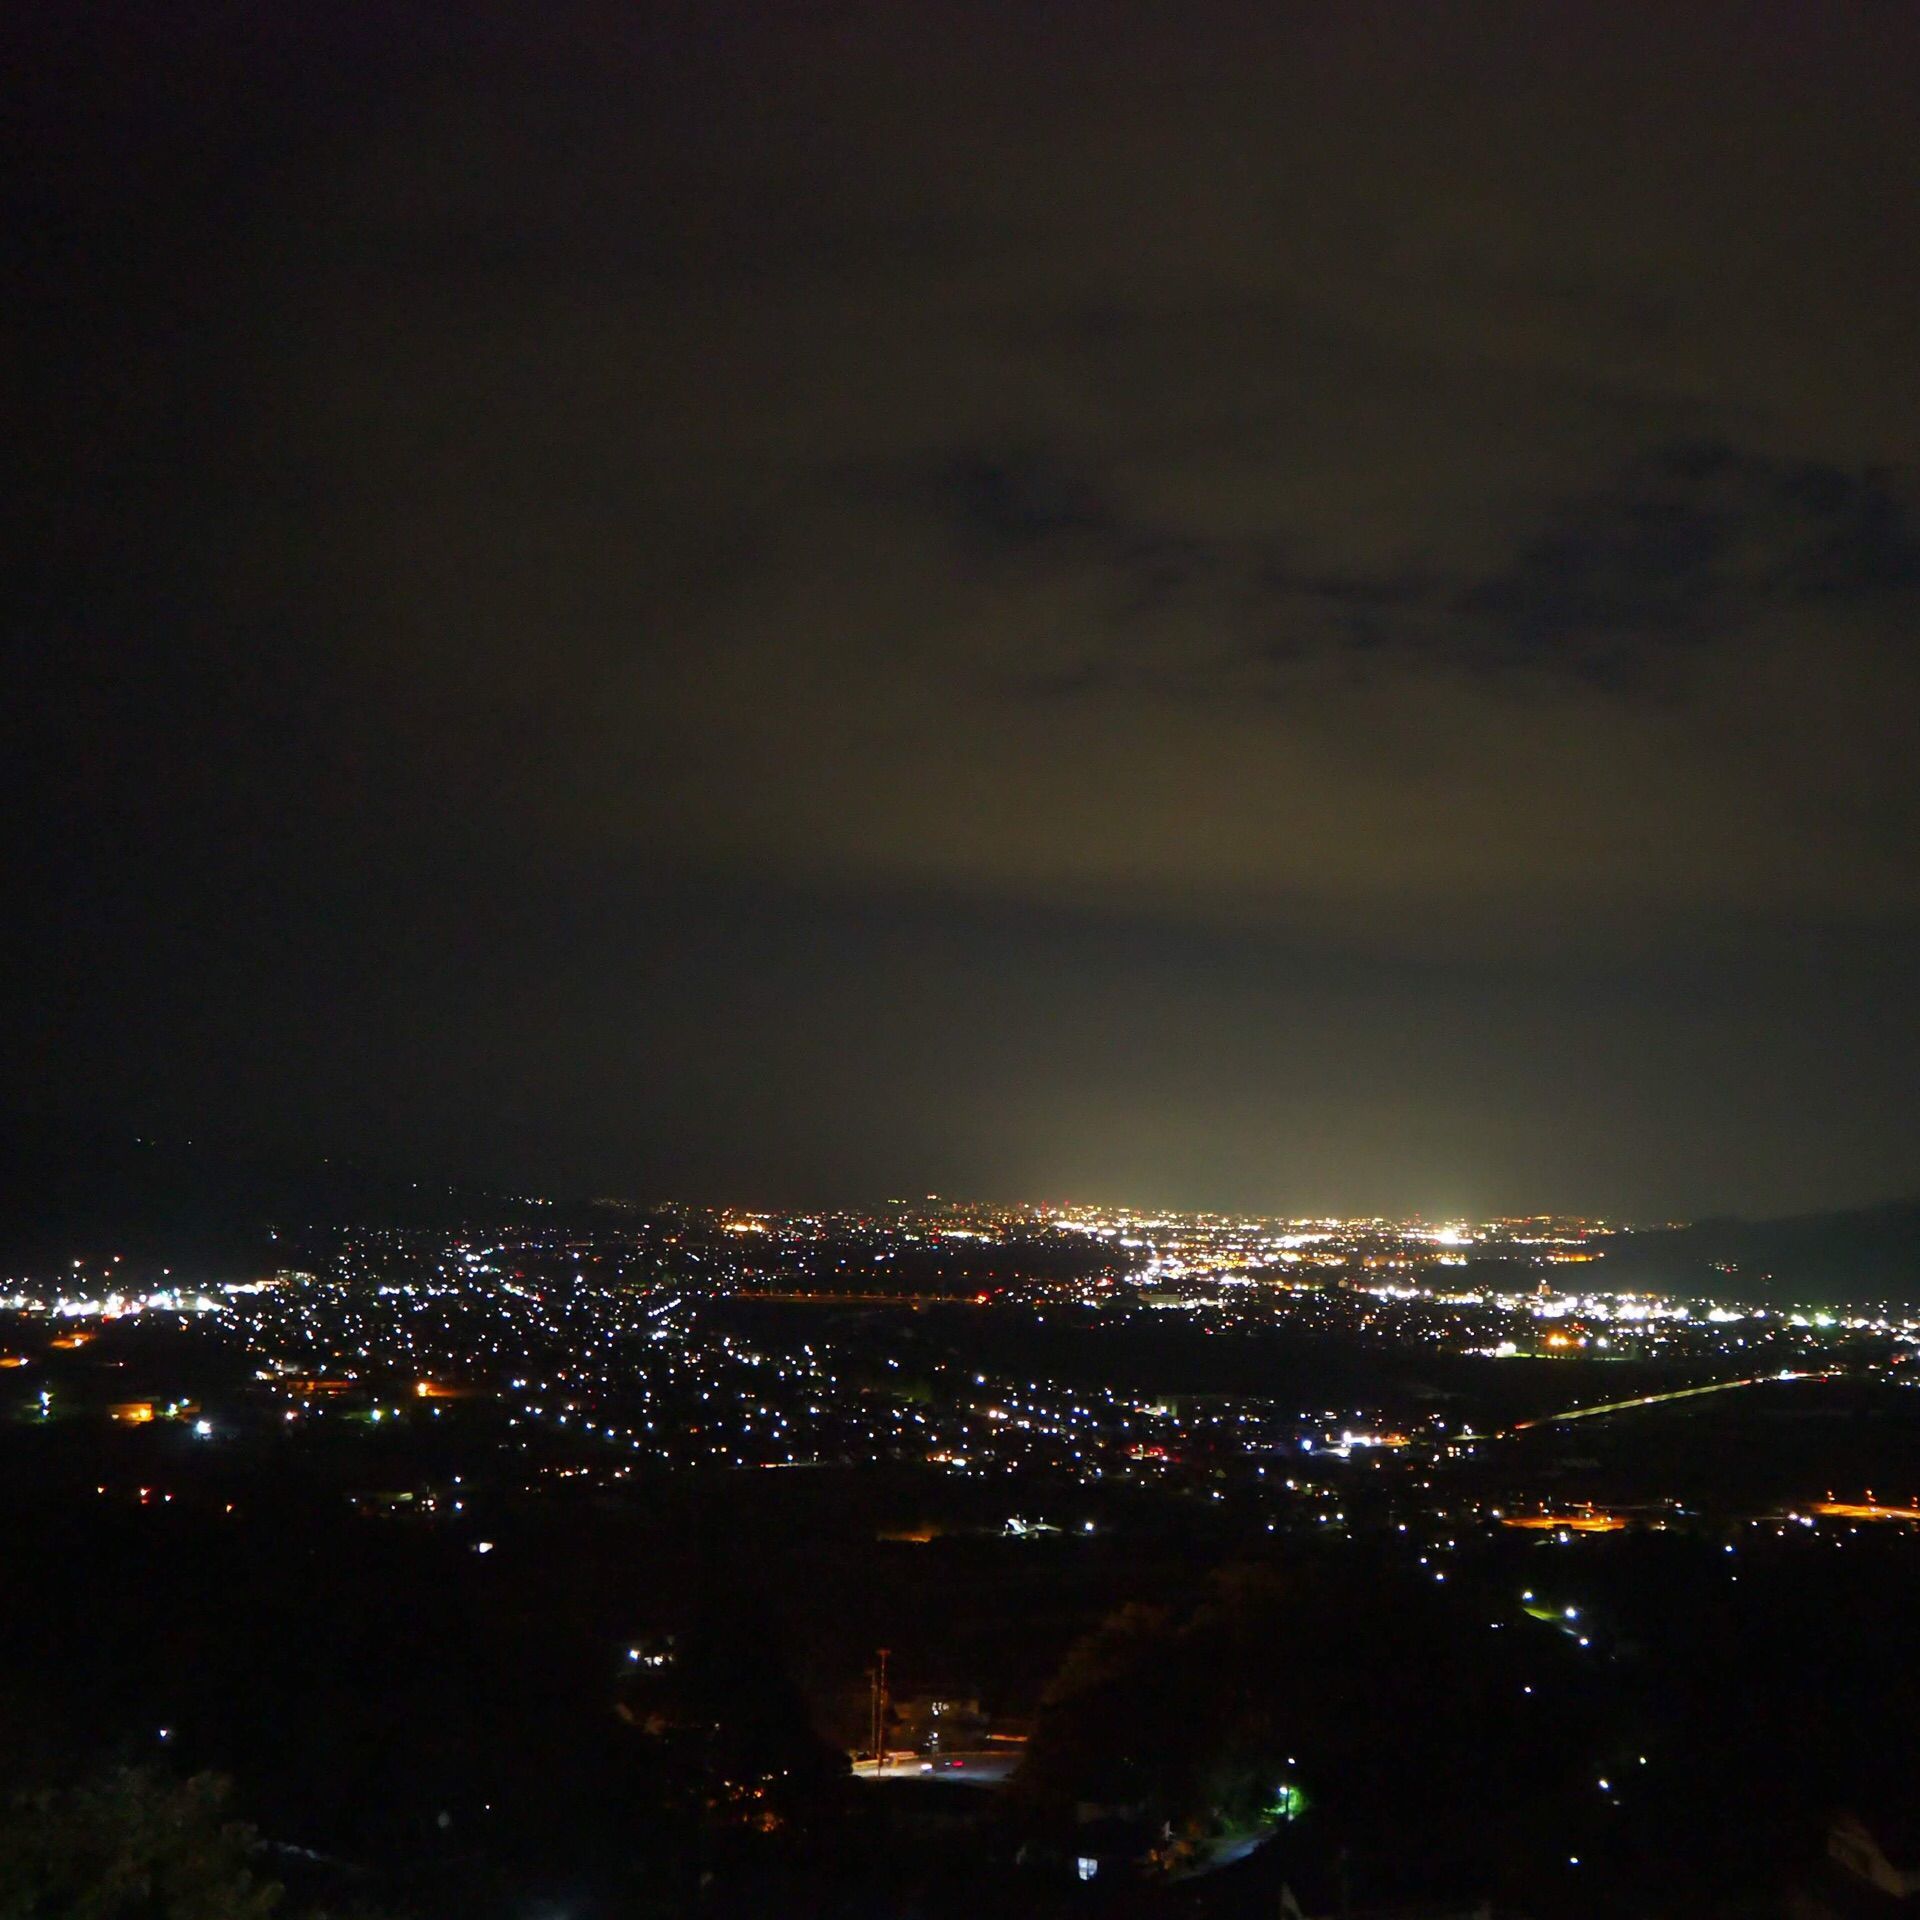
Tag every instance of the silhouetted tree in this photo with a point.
(130, 1845)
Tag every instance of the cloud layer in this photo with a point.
(1345, 491)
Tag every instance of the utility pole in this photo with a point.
(878, 1675)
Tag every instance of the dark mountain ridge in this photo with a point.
(69, 1194)
(1857, 1256)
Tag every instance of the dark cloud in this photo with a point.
(807, 581)
(1687, 545)
(1690, 545)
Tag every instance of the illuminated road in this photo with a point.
(1657, 1399)
(812, 1297)
(989, 1768)
(1865, 1510)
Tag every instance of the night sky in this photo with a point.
(1282, 607)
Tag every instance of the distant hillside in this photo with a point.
(65, 1194)
(1820, 1259)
